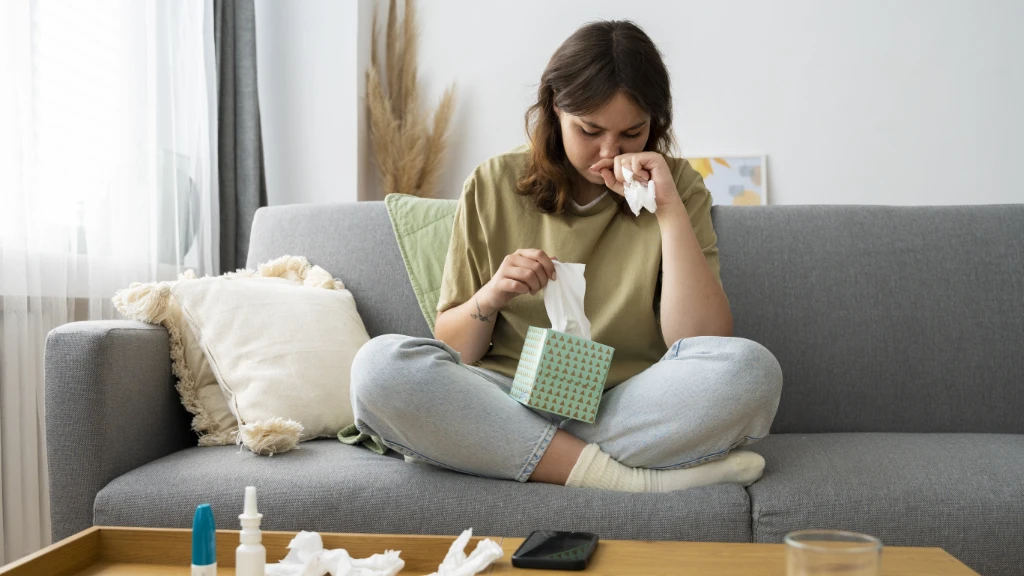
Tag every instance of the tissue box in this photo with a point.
(562, 373)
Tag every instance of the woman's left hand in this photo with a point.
(645, 166)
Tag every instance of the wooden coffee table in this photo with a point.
(102, 551)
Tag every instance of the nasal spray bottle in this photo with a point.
(204, 542)
(250, 556)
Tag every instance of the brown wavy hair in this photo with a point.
(588, 69)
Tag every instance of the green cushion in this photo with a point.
(423, 228)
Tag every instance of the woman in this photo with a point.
(681, 394)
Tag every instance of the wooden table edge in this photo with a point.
(56, 553)
(79, 551)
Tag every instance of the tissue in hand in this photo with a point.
(563, 299)
(638, 195)
(560, 369)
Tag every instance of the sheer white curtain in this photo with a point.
(107, 176)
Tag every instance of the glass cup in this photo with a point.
(832, 553)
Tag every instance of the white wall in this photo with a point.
(311, 57)
(867, 101)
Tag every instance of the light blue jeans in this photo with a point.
(705, 397)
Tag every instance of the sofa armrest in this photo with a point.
(111, 407)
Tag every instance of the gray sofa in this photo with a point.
(900, 331)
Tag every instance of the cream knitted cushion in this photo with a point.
(270, 348)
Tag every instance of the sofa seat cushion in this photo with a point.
(960, 492)
(327, 486)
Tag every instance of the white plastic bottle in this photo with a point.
(250, 556)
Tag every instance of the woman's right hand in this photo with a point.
(525, 271)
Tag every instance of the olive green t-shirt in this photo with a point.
(622, 254)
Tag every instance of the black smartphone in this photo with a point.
(555, 550)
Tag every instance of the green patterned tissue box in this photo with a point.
(562, 373)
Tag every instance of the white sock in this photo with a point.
(595, 469)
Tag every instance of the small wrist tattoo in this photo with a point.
(479, 315)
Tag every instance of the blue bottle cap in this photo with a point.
(204, 537)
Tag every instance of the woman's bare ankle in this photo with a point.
(561, 455)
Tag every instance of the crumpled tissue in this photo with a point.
(456, 563)
(563, 299)
(637, 195)
(307, 557)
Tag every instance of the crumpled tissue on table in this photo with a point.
(637, 195)
(456, 563)
(307, 557)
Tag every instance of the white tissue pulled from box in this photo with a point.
(307, 557)
(637, 195)
(563, 299)
(456, 563)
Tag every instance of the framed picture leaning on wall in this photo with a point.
(734, 180)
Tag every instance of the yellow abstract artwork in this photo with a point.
(734, 180)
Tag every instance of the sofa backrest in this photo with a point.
(354, 242)
(884, 318)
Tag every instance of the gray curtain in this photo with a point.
(243, 186)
